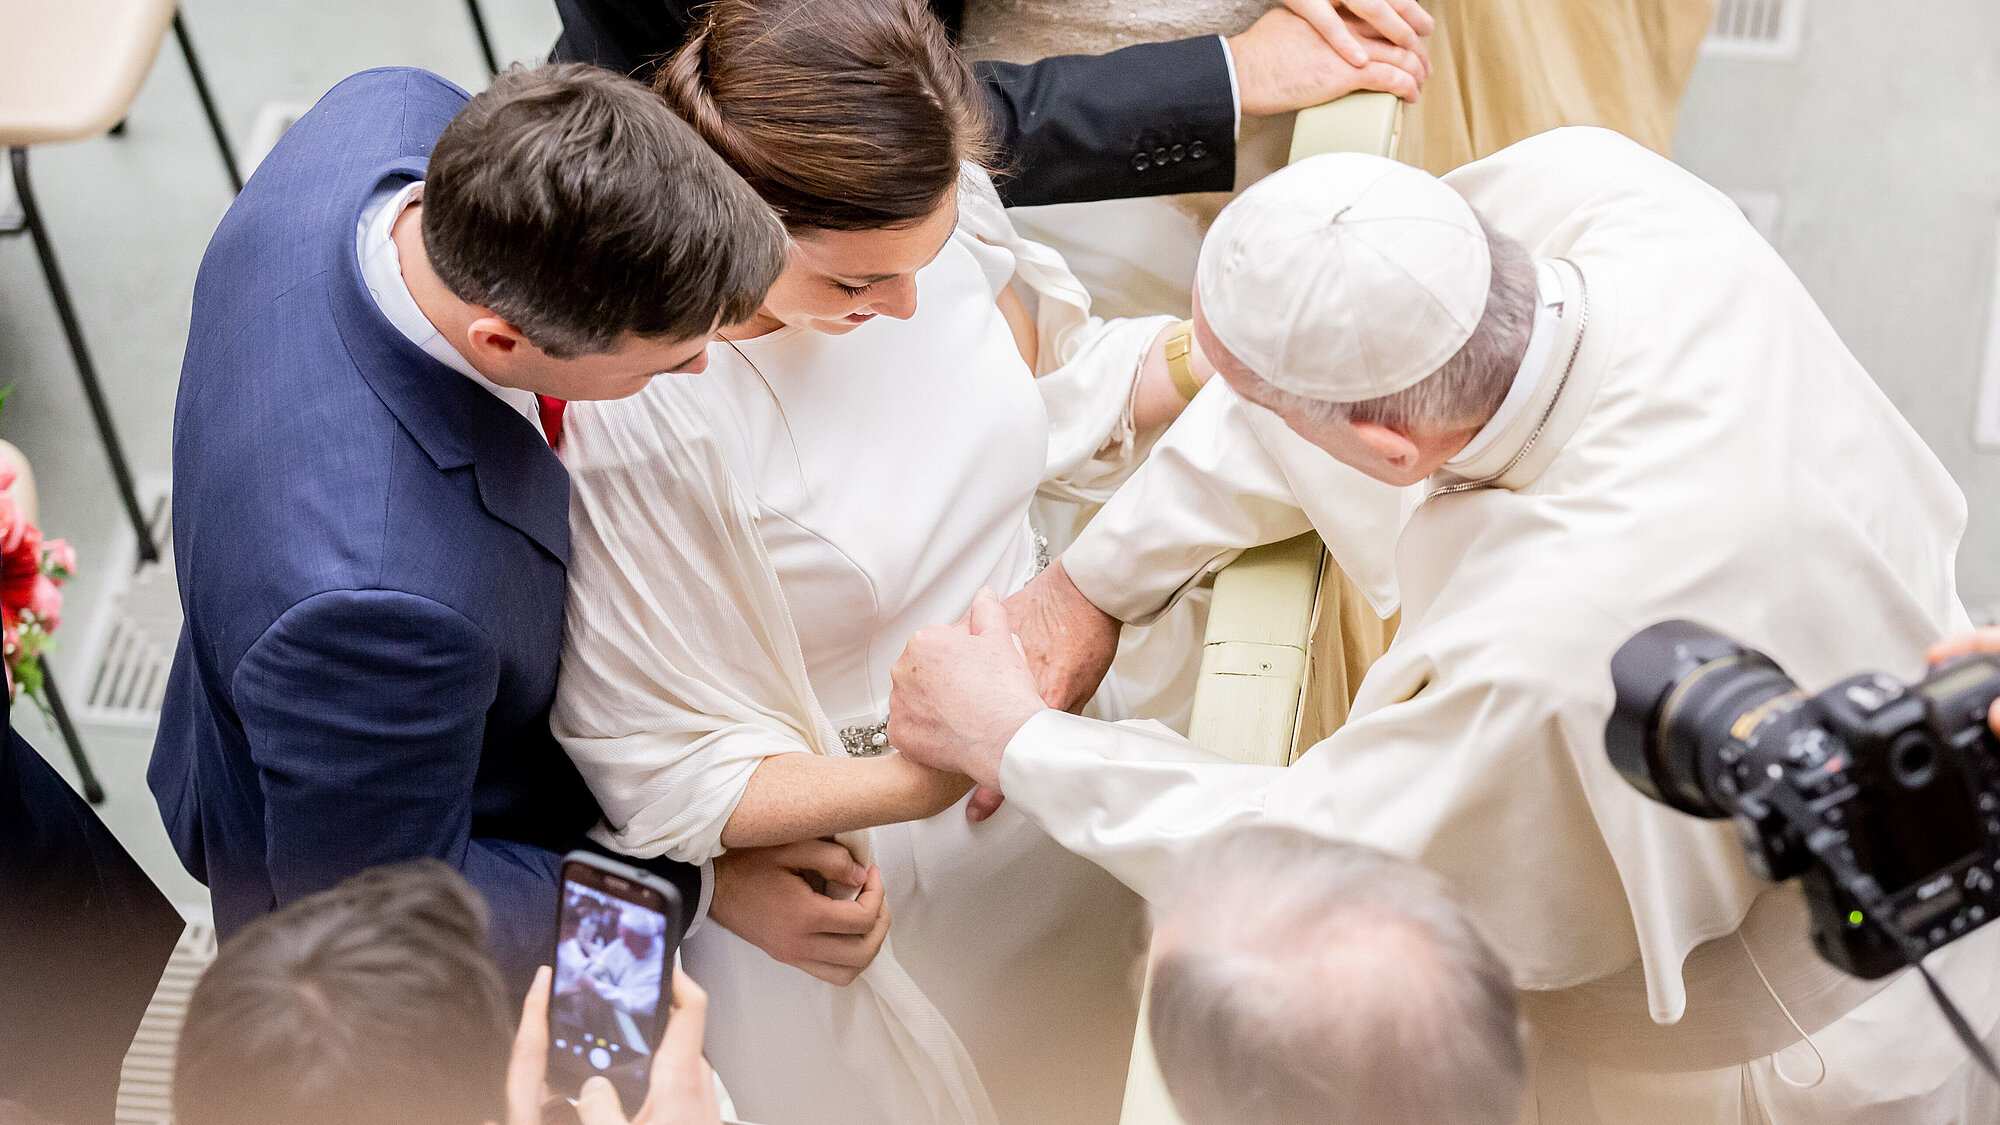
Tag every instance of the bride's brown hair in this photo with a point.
(842, 114)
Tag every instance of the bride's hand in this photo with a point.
(762, 897)
(1283, 64)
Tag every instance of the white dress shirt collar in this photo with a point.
(1534, 365)
(382, 272)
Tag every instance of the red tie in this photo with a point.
(551, 410)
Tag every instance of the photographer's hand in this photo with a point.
(1986, 640)
(682, 1087)
(528, 1067)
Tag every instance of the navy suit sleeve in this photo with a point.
(365, 711)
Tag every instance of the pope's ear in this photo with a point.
(1392, 446)
(496, 338)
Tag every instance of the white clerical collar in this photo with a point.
(1541, 342)
(382, 272)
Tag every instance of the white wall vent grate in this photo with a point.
(1756, 29)
(136, 627)
(145, 1087)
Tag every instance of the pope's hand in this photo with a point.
(960, 693)
(761, 896)
(1069, 642)
(1284, 64)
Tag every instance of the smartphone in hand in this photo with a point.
(617, 928)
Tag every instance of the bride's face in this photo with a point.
(838, 280)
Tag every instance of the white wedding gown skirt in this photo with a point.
(1028, 953)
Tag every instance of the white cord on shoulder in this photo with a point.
(1778, 1066)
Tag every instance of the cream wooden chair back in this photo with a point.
(1289, 636)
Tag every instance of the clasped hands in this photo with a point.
(1313, 51)
(962, 691)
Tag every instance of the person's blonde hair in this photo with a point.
(372, 1003)
(1301, 979)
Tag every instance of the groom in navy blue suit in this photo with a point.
(370, 522)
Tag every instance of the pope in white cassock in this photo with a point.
(1642, 416)
(626, 972)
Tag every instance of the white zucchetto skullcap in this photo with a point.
(1344, 277)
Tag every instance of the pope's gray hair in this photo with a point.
(1298, 979)
(1469, 388)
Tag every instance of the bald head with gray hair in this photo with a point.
(1300, 980)
(1468, 389)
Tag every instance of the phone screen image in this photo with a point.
(604, 1014)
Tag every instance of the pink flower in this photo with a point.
(45, 602)
(59, 556)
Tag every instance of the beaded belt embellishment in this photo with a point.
(871, 741)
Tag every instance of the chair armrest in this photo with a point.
(1368, 121)
(1253, 662)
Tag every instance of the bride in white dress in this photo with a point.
(753, 546)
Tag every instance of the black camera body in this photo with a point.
(1884, 798)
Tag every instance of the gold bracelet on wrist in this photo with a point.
(1180, 345)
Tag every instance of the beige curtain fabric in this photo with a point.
(1505, 70)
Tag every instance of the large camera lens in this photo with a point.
(1681, 689)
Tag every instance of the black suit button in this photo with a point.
(1141, 162)
(1179, 153)
(1160, 155)
(1197, 150)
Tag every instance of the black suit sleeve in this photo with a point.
(1155, 119)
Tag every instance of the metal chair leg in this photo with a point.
(93, 790)
(207, 102)
(93, 393)
(485, 40)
